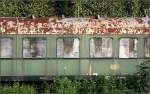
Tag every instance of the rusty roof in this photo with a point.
(137, 25)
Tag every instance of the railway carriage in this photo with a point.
(42, 48)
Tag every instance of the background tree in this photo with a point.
(25, 8)
(75, 8)
(9, 8)
(38, 8)
(63, 8)
(81, 8)
(111, 8)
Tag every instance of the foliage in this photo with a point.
(99, 81)
(64, 86)
(114, 85)
(17, 88)
(19, 8)
(74, 8)
(63, 8)
(81, 9)
(8, 8)
(111, 84)
(143, 72)
(42, 87)
(112, 8)
(137, 7)
(38, 8)
(1, 89)
(88, 87)
(106, 8)
(131, 82)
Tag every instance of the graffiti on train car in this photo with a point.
(74, 26)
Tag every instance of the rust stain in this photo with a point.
(74, 26)
(140, 21)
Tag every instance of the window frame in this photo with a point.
(137, 48)
(101, 57)
(31, 38)
(12, 46)
(67, 57)
(144, 47)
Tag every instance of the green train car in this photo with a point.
(42, 48)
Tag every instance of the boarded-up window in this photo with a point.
(128, 48)
(5, 48)
(101, 47)
(34, 48)
(147, 47)
(68, 48)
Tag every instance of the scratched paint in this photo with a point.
(74, 26)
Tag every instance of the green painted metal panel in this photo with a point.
(6, 67)
(128, 66)
(141, 46)
(84, 67)
(51, 46)
(68, 67)
(115, 47)
(51, 66)
(101, 67)
(19, 46)
(18, 68)
(34, 67)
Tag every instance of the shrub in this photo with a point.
(42, 87)
(16, 88)
(88, 86)
(114, 85)
(99, 84)
(143, 72)
(64, 86)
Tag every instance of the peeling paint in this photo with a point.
(74, 26)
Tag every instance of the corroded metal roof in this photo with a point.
(74, 26)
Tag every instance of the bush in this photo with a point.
(99, 84)
(88, 87)
(16, 88)
(143, 73)
(42, 87)
(64, 86)
(114, 85)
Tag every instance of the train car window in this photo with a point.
(147, 47)
(128, 48)
(5, 48)
(68, 48)
(101, 47)
(34, 48)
